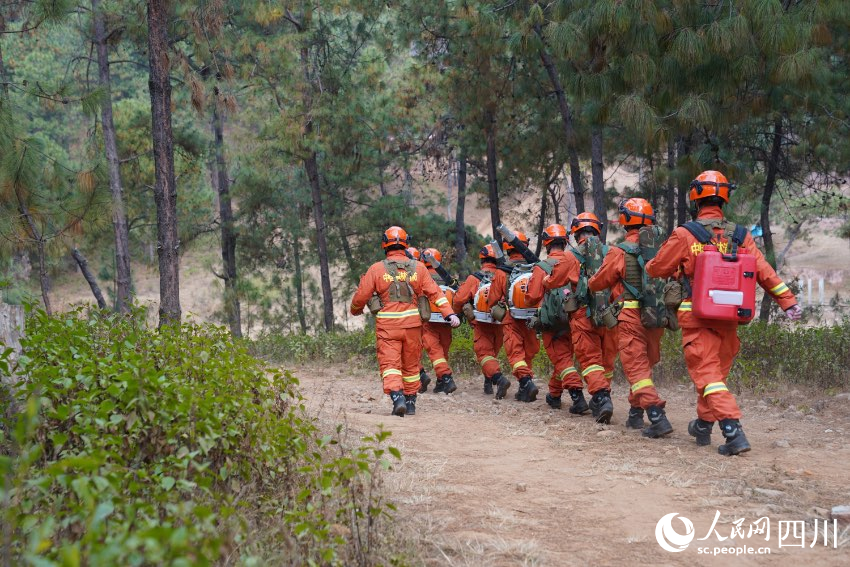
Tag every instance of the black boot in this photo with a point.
(701, 430)
(554, 403)
(399, 406)
(736, 441)
(445, 384)
(410, 403)
(424, 380)
(601, 406)
(502, 385)
(635, 420)
(659, 425)
(527, 391)
(488, 386)
(440, 386)
(579, 406)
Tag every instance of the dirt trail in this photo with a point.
(504, 483)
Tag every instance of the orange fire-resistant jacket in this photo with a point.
(680, 251)
(397, 315)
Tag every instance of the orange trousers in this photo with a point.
(437, 339)
(709, 354)
(521, 344)
(487, 340)
(596, 350)
(399, 352)
(640, 350)
(559, 349)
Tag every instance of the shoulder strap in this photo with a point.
(478, 275)
(701, 233)
(546, 266)
(391, 267)
(739, 234)
(578, 256)
(629, 248)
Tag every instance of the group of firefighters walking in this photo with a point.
(590, 302)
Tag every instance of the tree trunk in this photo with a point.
(165, 186)
(598, 180)
(228, 232)
(555, 202)
(83, 264)
(767, 195)
(566, 121)
(120, 227)
(299, 285)
(311, 167)
(671, 189)
(460, 222)
(541, 220)
(37, 237)
(349, 256)
(682, 205)
(492, 175)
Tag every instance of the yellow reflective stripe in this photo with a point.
(631, 304)
(487, 359)
(438, 361)
(397, 314)
(686, 306)
(413, 378)
(565, 371)
(609, 374)
(641, 384)
(714, 387)
(389, 371)
(779, 289)
(519, 364)
(592, 368)
(440, 302)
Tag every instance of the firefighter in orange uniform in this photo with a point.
(424, 379)
(557, 342)
(397, 282)
(594, 347)
(521, 342)
(640, 347)
(710, 345)
(487, 333)
(436, 333)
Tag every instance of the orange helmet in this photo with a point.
(507, 247)
(394, 235)
(585, 220)
(487, 253)
(636, 212)
(554, 232)
(434, 253)
(710, 184)
(414, 253)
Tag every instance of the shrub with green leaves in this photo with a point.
(134, 446)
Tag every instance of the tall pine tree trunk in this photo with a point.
(766, 196)
(682, 205)
(492, 172)
(541, 220)
(598, 181)
(83, 264)
(460, 222)
(228, 232)
(311, 167)
(120, 226)
(299, 285)
(165, 186)
(670, 195)
(566, 120)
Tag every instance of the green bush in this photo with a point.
(133, 446)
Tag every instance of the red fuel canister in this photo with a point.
(724, 286)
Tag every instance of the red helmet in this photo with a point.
(554, 232)
(507, 247)
(710, 184)
(394, 235)
(414, 252)
(636, 212)
(433, 253)
(487, 253)
(585, 220)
